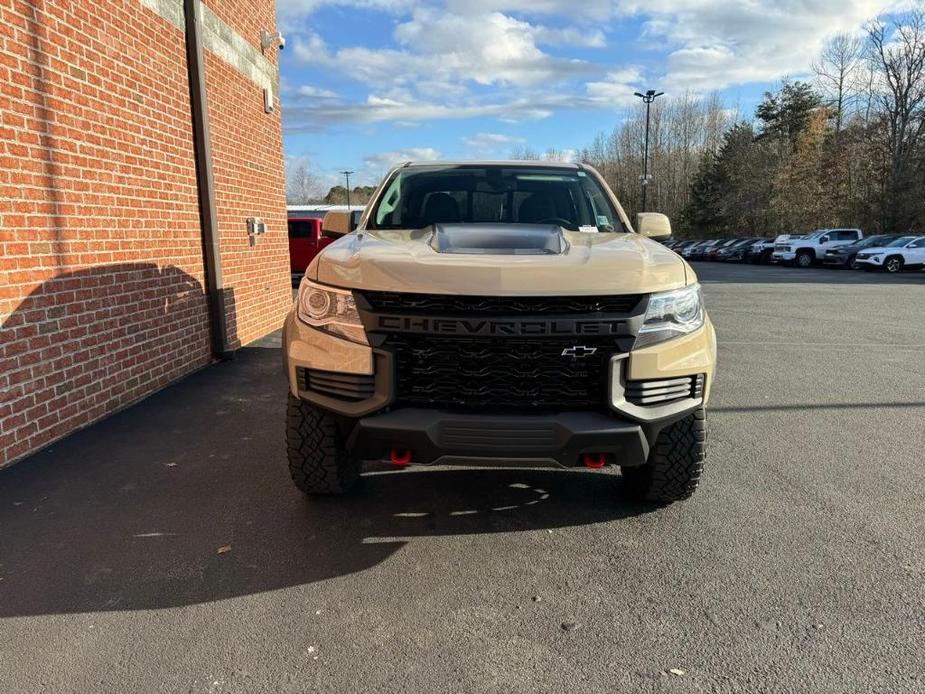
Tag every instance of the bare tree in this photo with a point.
(681, 129)
(301, 183)
(522, 152)
(837, 72)
(897, 55)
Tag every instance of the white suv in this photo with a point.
(906, 252)
(805, 250)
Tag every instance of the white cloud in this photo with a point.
(315, 92)
(716, 43)
(490, 144)
(386, 160)
(291, 14)
(490, 140)
(584, 11)
(509, 59)
(441, 51)
(616, 89)
(321, 115)
(376, 165)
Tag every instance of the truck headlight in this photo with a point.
(332, 310)
(671, 314)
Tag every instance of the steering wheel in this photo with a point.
(559, 221)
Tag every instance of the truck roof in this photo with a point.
(529, 163)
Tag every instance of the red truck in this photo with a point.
(305, 241)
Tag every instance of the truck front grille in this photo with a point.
(502, 373)
(456, 305)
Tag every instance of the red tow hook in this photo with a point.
(400, 457)
(595, 461)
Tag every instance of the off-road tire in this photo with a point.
(805, 258)
(893, 264)
(318, 459)
(675, 463)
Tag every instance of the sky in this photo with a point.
(365, 84)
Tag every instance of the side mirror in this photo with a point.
(824, 239)
(336, 224)
(653, 225)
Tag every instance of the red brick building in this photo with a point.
(126, 260)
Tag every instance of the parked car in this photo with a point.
(736, 252)
(696, 251)
(679, 246)
(416, 339)
(904, 253)
(713, 251)
(806, 250)
(845, 256)
(305, 241)
(760, 252)
(781, 240)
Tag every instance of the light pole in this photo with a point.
(347, 176)
(647, 98)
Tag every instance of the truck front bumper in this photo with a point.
(783, 256)
(648, 389)
(434, 435)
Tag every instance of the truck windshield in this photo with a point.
(417, 197)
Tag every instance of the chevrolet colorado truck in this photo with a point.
(498, 313)
(806, 250)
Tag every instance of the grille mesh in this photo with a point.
(454, 305)
(500, 373)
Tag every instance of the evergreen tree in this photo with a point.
(702, 215)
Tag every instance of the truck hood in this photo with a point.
(502, 259)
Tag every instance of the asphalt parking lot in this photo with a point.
(165, 550)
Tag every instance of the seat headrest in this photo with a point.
(441, 208)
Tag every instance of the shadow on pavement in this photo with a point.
(185, 499)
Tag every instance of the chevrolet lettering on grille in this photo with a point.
(523, 327)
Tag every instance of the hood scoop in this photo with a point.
(498, 239)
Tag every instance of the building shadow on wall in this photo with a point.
(88, 342)
(185, 499)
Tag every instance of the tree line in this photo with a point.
(846, 148)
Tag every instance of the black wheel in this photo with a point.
(318, 459)
(805, 258)
(853, 262)
(893, 264)
(675, 463)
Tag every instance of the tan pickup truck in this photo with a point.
(498, 313)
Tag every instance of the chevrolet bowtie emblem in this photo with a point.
(578, 351)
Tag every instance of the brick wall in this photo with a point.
(248, 170)
(101, 271)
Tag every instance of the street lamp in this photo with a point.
(647, 98)
(347, 176)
